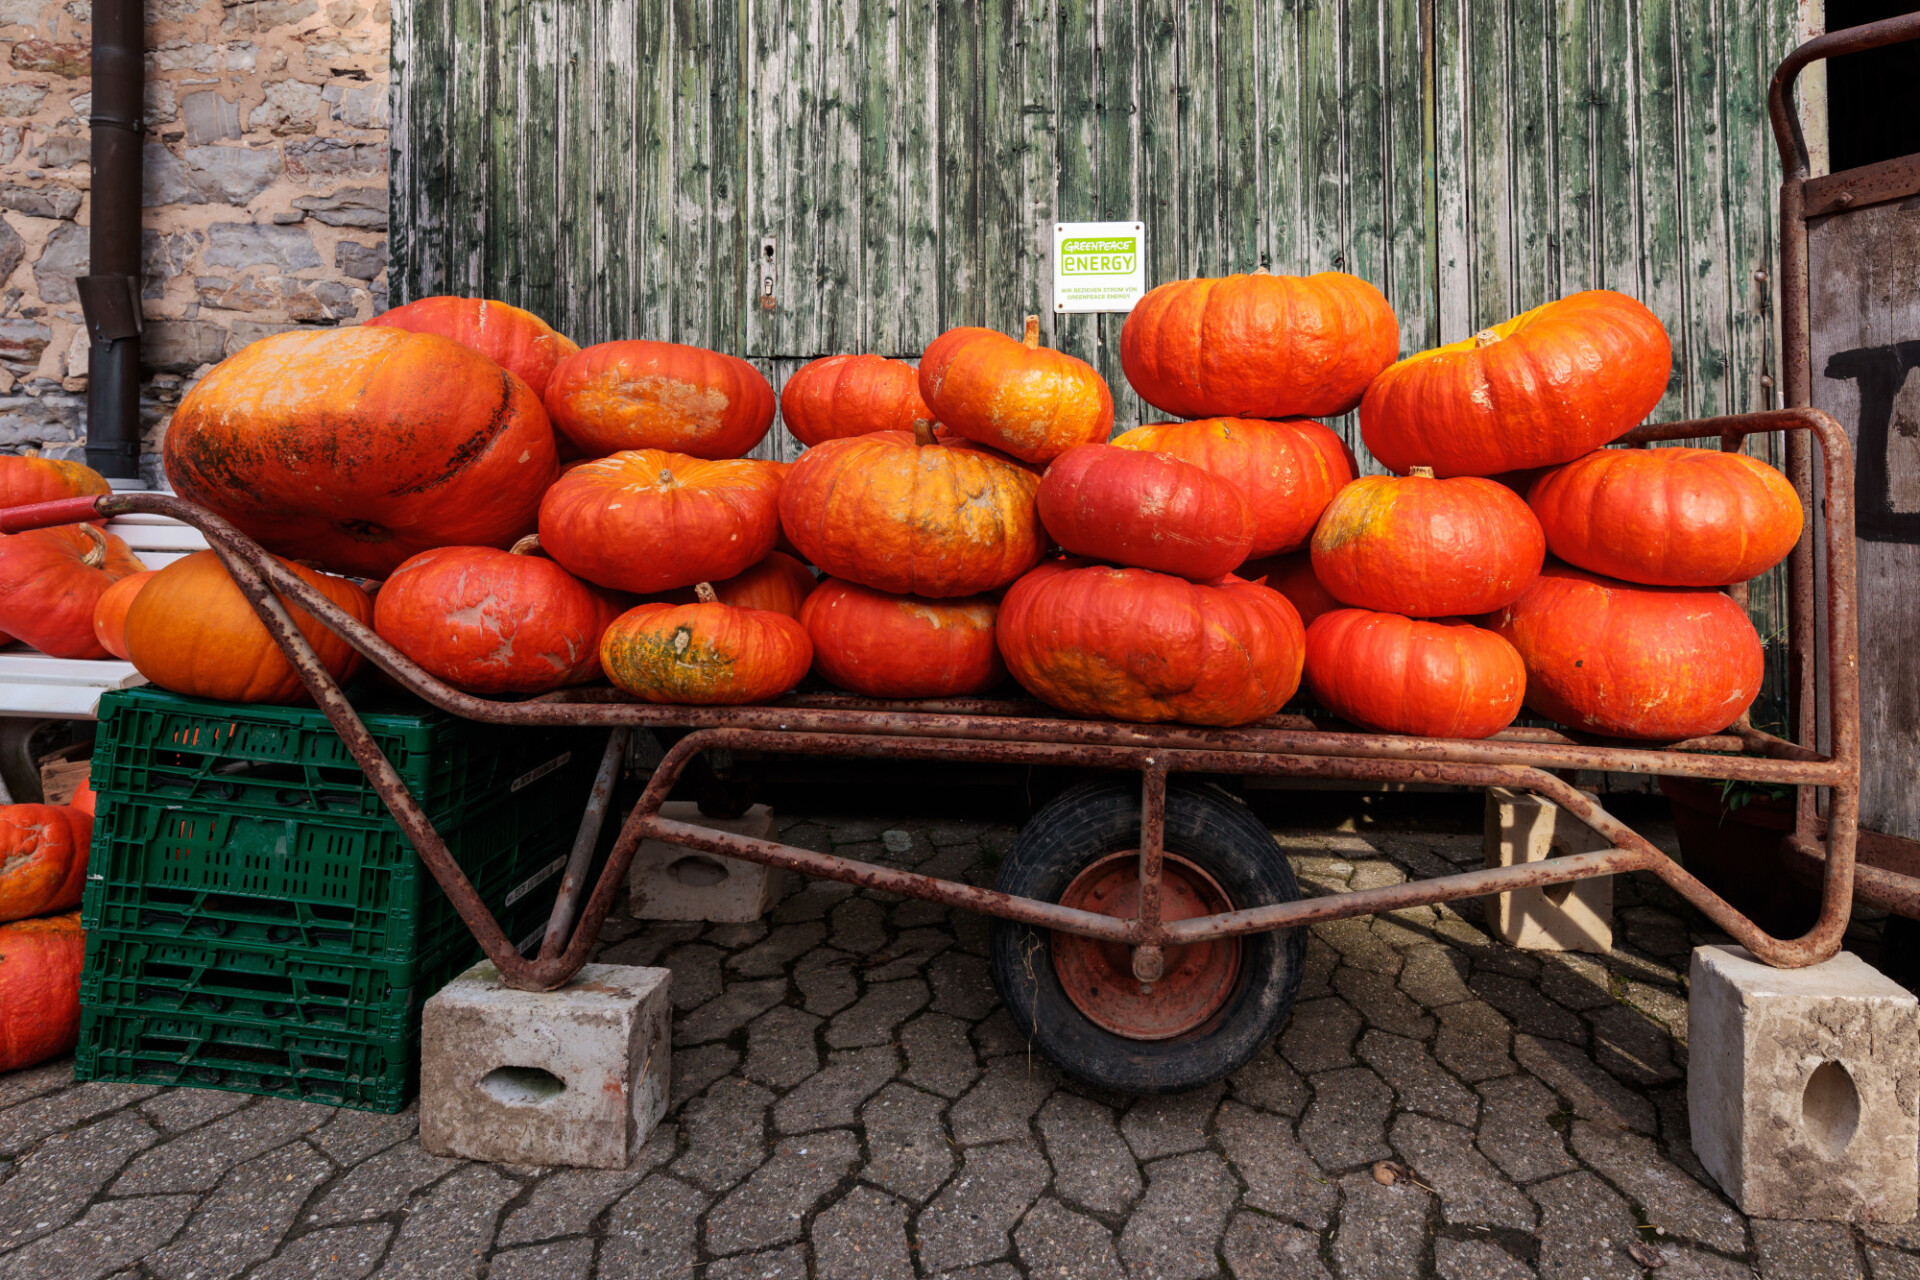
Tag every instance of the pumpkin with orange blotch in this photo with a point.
(518, 341)
(705, 653)
(1288, 470)
(40, 964)
(1293, 577)
(27, 480)
(1146, 510)
(778, 584)
(110, 612)
(43, 858)
(51, 580)
(893, 646)
(638, 394)
(1433, 678)
(839, 396)
(1131, 644)
(1013, 394)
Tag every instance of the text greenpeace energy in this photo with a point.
(1104, 256)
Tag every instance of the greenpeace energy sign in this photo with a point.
(1098, 266)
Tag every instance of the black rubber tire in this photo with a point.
(1216, 832)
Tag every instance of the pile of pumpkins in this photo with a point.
(516, 514)
(43, 868)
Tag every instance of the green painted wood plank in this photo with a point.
(1323, 143)
(1746, 194)
(1002, 210)
(1159, 163)
(915, 309)
(1489, 165)
(1453, 261)
(1534, 203)
(506, 211)
(772, 93)
(402, 199)
(688, 203)
(839, 325)
(726, 285)
(1407, 210)
(432, 70)
(886, 101)
(1617, 226)
(1575, 253)
(539, 173)
(1076, 156)
(1365, 254)
(1117, 171)
(1700, 187)
(1664, 242)
(1283, 171)
(1242, 215)
(1202, 228)
(1037, 140)
(609, 204)
(468, 167)
(577, 240)
(961, 303)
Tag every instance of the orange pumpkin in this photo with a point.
(637, 394)
(891, 646)
(1668, 517)
(1427, 548)
(1660, 663)
(1443, 678)
(647, 520)
(1148, 510)
(705, 653)
(849, 396)
(1289, 470)
(911, 515)
(110, 612)
(1015, 395)
(43, 858)
(191, 631)
(778, 584)
(1537, 390)
(1130, 644)
(1258, 346)
(1293, 577)
(40, 964)
(25, 480)
(52, 579)
(518, 341)
(358, 448)
(490, 621)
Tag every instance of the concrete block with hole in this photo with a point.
(673, 882)
(1577, 916)
(1803, 1086)
(577, 1076)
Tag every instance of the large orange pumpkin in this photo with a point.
(1629, 661)
(1258, 346)
(43, 858)
(52, 579)
(26, 480)
(1427, 548)
(1014, 394)
(358, 448)
(491, 621)
(110, 612)
(705, 653)
(891, 646)
(778, 584)
(1668, 517)
(1537, 390)
(849, 396)
(1289, 470)
(647, 520)
(638, 394)
(910, 515)
(1130, 644)
(518, 341)
(191, 631)
(40, 964)
(1293, 577)
(1439, 678)
(1147, 510)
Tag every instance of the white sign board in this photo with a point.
(1099, 266)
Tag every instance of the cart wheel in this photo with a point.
(1216, 1004)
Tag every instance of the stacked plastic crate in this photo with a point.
(255, 919)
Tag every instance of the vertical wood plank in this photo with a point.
(506, 209)
(1283, 165)
(1747, 197)
(1365, 254)
(1323, 143)
(1664, 281)
(726, 278)
(886, 103)
(1202, 229)
(839, 322)
(469, 157)
(1117, 171)
(1159, 106)
(1701, 182)
(1453, 281)
(1038, 146)
(1489, 164)
(620, 272)
(402, 200)
(1407, 210)
(1617, 226)
(1242, 214)
(577, 239)
(1576, 256)
(1001, 175)
(960, 166)
(916, 163)
(688, 204)
(1076, 158)
(1530, 105)
(772, 94)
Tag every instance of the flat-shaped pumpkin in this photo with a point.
(637, 394)
(1437, 678)
(1145, 510)
(1013, 394)
(705, 653)
(43, 858)
(518, 341)
(52, 580)
(40, 965)
(891, 646)
(839, 396)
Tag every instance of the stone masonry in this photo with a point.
(266, 192)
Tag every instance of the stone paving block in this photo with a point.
(694, 1069)
(995, 1036)
(1359, 946)
(1281, 1178)
(780, 1047)
(1671, 1200)
(1316, 971)
(1174, 1232)
(696, 974)
(198, 1160)
(576, 1076)
(768, 1207)
(447, 1234)
(729, 1011)
(1584, 1230)
(1591, 1092)
(724, 1128)
(1382, 1231)
(876, 1016)
(812, 902)
(1633, 1046)
(382, 1184)
(1472, 1192)
(769, 1264)
(962, 986)
(1434, 976)
(352, 1136)
(1477, 1260)
(560, 1260)
(907, 1148)
(1346, 1122)
(1789, 1249)
(911, 951)
(1170, 1124)
(567, 1202)
(826, 981)
(1002, 1103)
(1270, 1083)
(674, 882)
(1521, 1001)
(1516, 1129)
(1523, 828)
(1473, 1041)
(1804, 1097)
(736, 934)
(651, 1234)
(832, 1097)
(28, 1083)
(863, 1237)
(1381, 1004)
(969, 1221)
(1886, 1264)
(1053, 1240)
(178, 1110)
(939, 1054)
(1320, 1036)
(858, 925)
(1258, 1248)
(111, 1235)
(245, 1219)
(1417, 1080)
(651, 941)
(1575, 981)
(783, 944)
(1092, 1166)
(53, 1185)
(332, 1253)
(29, 1122)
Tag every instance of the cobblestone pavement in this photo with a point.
(850, 1103)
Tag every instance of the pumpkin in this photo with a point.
(1293, 577)
(1014, 394)
(43, 858)
(491, 621)
(518, 341)
(1258, 346)
(1627, 661)
(40, 964)
(1147, 510)
(1668, 517)
(1535, 391)
(1427, 548)
(637, 394)
(359, 448)
(912, 515)
(1289, 471)
(1131, 644)
(25, 480)
(1439, 678)
(52, 579)
(190, 630)
(849, 396)
(83, 797)
(891, 646)
(705, 653)
(110, 612)
(647, 520)
(778, 584)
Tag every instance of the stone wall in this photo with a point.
(266, 192)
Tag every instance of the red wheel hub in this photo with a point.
(1098, 976)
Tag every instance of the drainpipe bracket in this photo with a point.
(111, 305)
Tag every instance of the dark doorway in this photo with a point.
(1873, 98)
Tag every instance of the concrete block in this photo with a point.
(577, 1076)
(1803, 1086)
(673, 882)
(1560, 917)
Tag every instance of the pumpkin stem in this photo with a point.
(1485, 338)
(527, 546)
(97, 553)
(1031, 338)
(1260, 271)
(1425, 473)
(923, 433)
(666, 476)
(705, 594)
